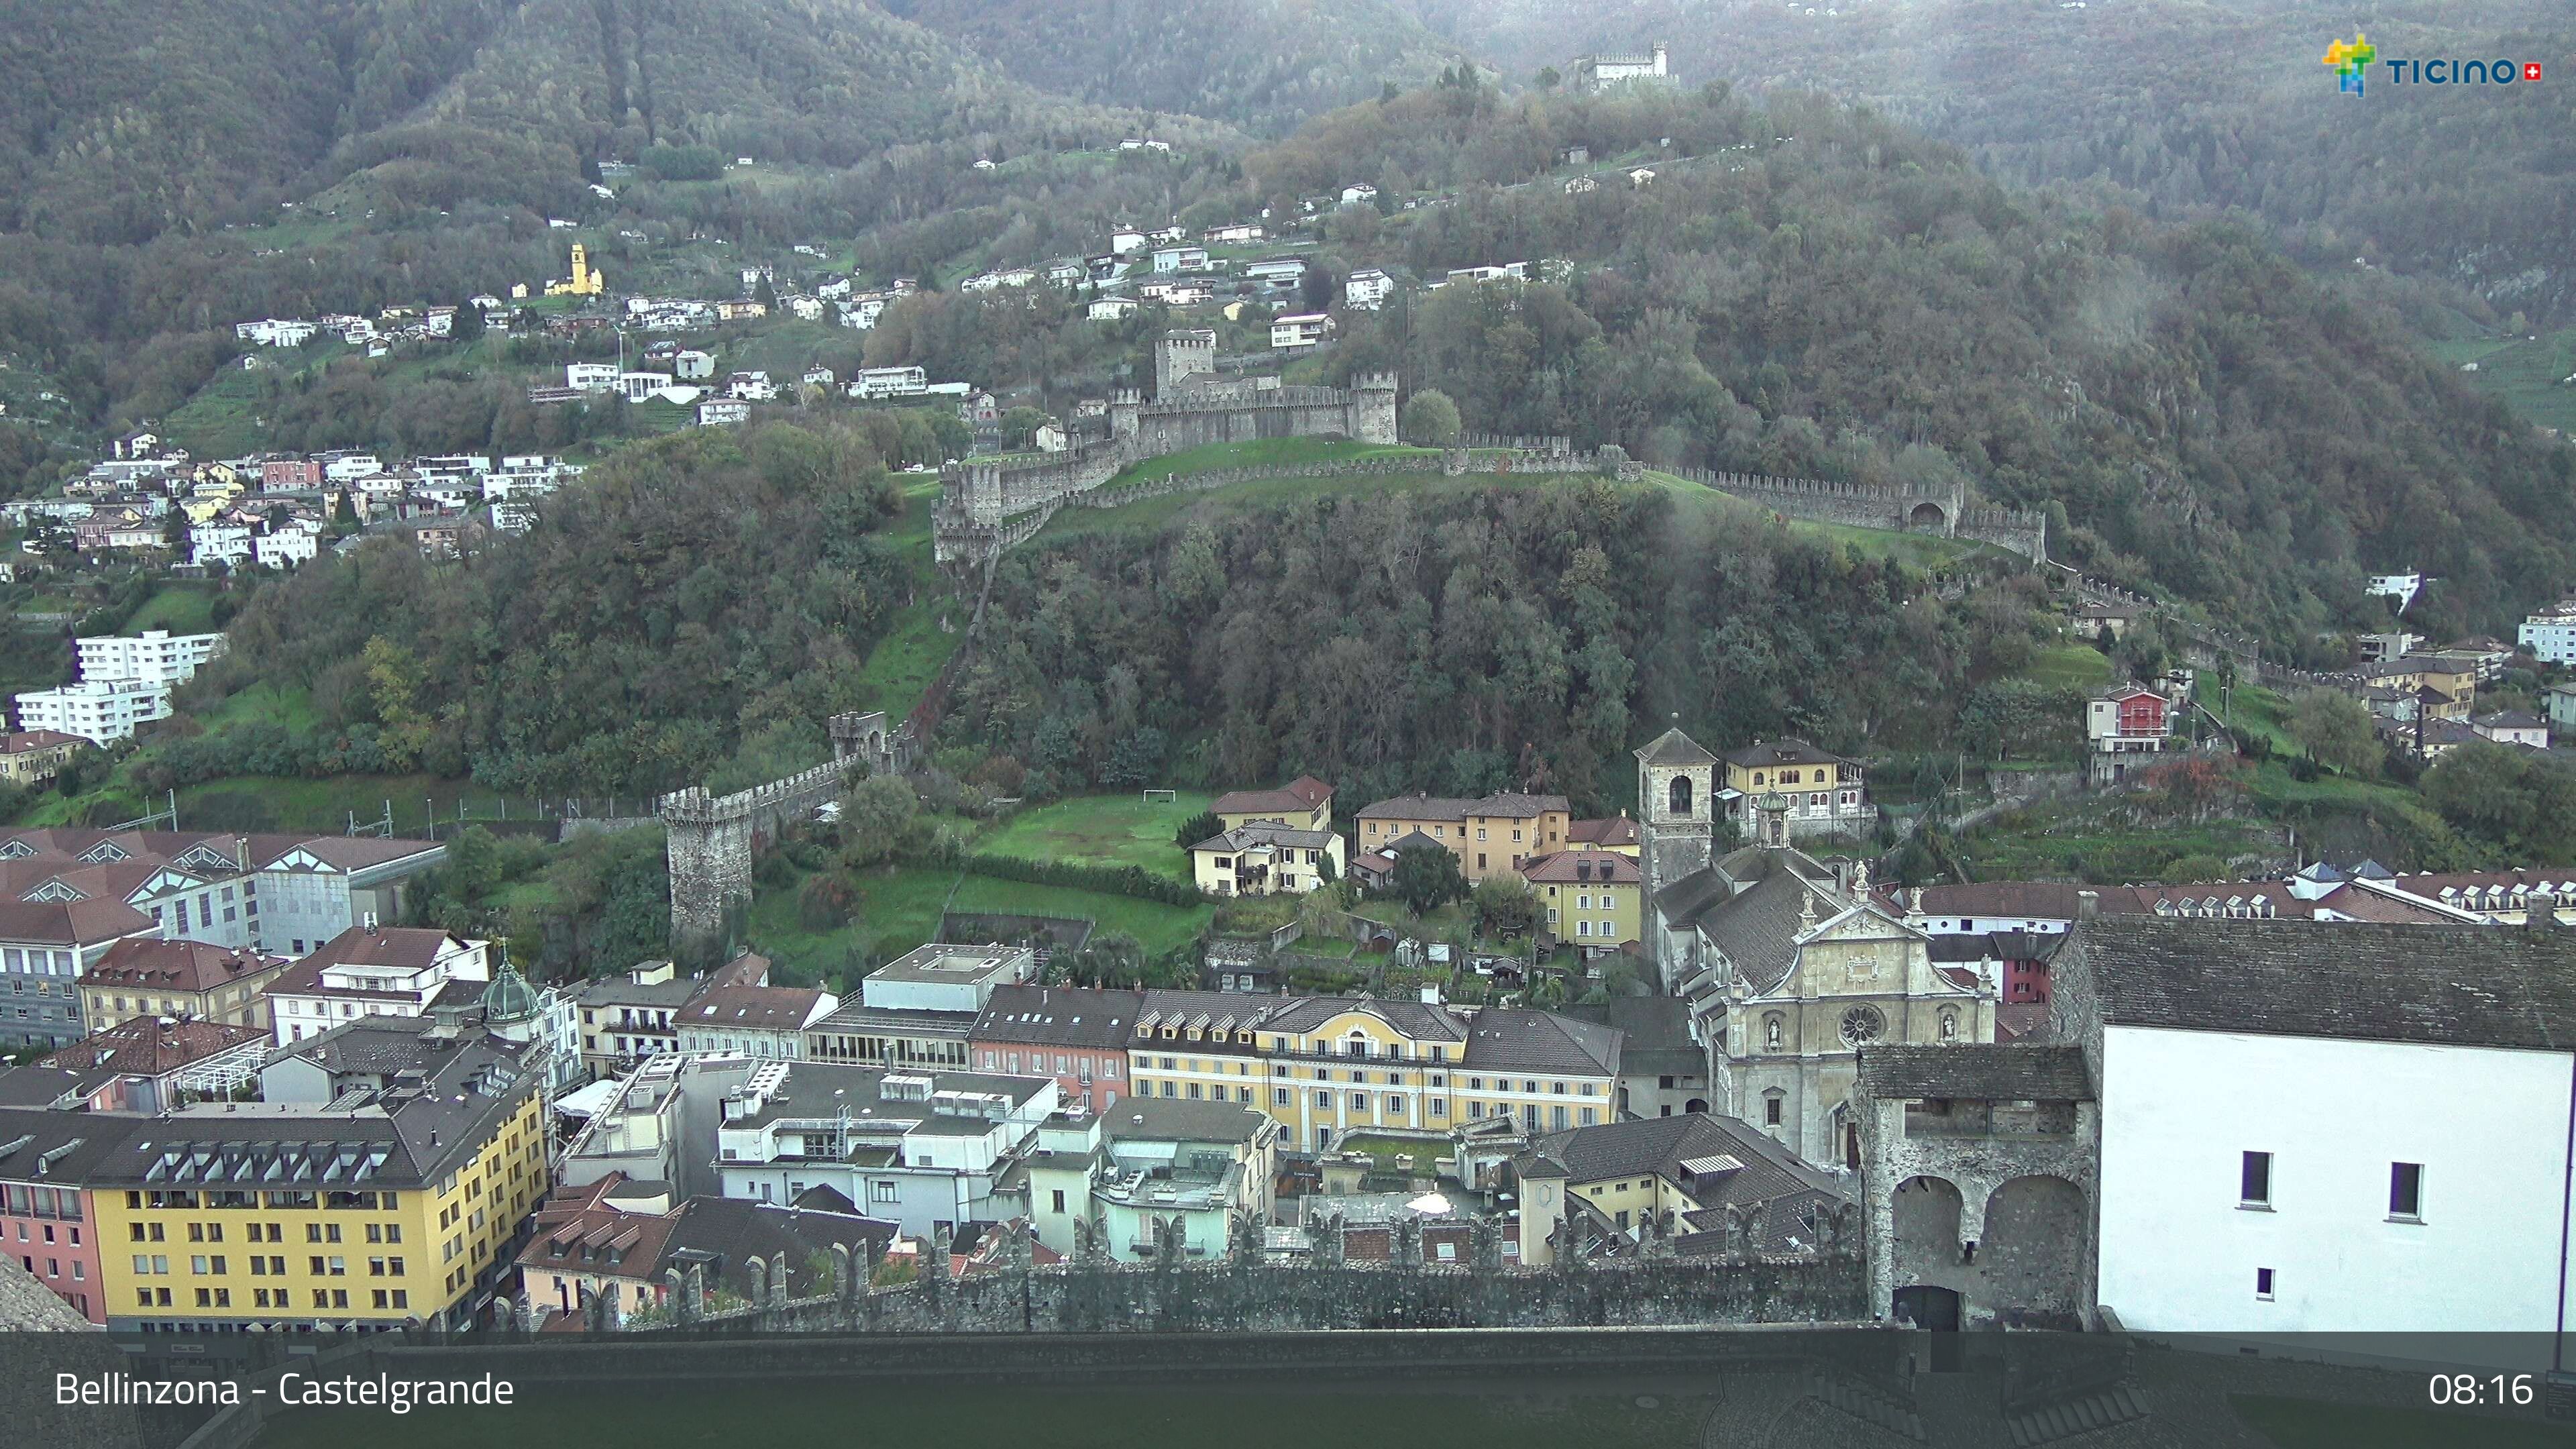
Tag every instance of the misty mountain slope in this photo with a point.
(1261, 63)
(122, 118)
(2476, 184)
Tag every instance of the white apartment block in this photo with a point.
(97, 710)
(156, 656)
(286, 548)
(2550, 635)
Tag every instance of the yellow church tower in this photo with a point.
(585, 282)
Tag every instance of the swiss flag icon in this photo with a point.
(2531, 70)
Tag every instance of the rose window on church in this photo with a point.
(1862, 1024)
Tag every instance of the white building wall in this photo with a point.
(2179, 1254)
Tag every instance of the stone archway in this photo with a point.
(1926, 1214)
(2031, 1254)
(1927, 517)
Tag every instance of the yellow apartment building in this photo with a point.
(1589, 897)
(295, 1216)
(1492, 836)
(1327, 1066)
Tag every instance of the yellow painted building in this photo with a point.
(1304, 803)
(1263, 859)
(1492, 836)
(1325, 1066)
(218, 1217)
(1670, 1174)
(584, 282)
(30, 756)
(1589, 897)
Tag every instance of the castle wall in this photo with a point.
(1944, 512)
(709, 840)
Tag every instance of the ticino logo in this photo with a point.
(2352, 61)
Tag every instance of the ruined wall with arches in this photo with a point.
(1991, 1200)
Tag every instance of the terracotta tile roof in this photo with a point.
(176, 965)
(27, 741)
(1297, 797)
(1617, 830)
(408, 948)
(152, 1047)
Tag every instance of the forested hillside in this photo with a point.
(1262, 63)
(699, 597)
(1812, 290)
(2189, 104)
(1503, 639)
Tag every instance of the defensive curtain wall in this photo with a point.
(987, 508)
(710, 839)
(1243, 1291)
(1945, 511)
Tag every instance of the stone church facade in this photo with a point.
(1788, 967)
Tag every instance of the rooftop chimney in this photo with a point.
(2088, 905)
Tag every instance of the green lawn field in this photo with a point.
(1102, 830)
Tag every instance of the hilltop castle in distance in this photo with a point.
(983, 500)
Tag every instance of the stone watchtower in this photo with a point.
(1372, 407)
(1676, 805)
(1126, 405)
(1182, 353)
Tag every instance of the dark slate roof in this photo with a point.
(1758, 927)
(1655, 1034)
(1672, 747)
(1680, 1149)
(1420, 1020)
(2448, 985)
(1541, 1041)
(1059, 1016)
(1258, 834)
(1976, 1072)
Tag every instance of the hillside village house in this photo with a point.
(2549, 635)
(1262, 859)
(1304, 803)
(1323, 1066)
(1588, 897)
(1367, 290)
(1782, 791)
(2125, 728)
(147, 976)
(1152, 1168)
(1078, 1037)
(1490, 836)
(31, 757)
